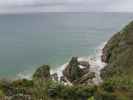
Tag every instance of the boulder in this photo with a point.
(72, 71)
(42, 72)
(85, 78)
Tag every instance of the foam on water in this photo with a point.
(95, 64)
(60, 69)
(27, 74)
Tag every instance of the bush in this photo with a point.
(22, 83)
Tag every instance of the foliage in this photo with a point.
(22, 83)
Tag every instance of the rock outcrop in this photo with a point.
(72, 71)
(76, 74)
(43, 73)
(85, 79)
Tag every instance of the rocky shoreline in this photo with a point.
(86, 70)
(82, 79)
(80, 72)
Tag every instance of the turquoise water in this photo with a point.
(30, 40)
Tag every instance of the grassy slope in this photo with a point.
(119, 56)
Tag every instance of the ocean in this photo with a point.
(30, 40)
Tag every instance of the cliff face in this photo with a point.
(118, 53)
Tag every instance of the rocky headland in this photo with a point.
(80, 79)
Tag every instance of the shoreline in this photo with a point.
(95, 65)
(95, 61)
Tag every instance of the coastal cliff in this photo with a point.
(118, 54)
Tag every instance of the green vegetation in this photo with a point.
(42, 87)
(118, 73)
(47, 90)
(119, 54)
(56, 91)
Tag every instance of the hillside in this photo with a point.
(118, 54)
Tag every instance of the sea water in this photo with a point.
(30, 40)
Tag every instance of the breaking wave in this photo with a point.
(94, 60)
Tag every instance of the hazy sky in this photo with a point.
(9, 6)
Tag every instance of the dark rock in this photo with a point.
(42, 72)
(85, 70)
(72, 71)
(85, 65)
(85, 78)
